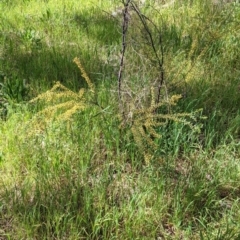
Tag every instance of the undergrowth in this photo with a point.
(77, 164)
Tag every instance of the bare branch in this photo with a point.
(160, 59)
(126, 18)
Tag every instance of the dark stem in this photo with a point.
(160, 60)
(124, 44)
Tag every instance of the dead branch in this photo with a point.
(160, 59)
(126, 18)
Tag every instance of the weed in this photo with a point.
(72, 167)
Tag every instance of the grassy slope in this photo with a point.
(86, 179)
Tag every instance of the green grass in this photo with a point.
(86, 178)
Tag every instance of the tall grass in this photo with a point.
(86, 178)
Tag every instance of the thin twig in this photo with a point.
(159, 59)
(124, 33)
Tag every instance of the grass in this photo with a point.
(86, 178)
